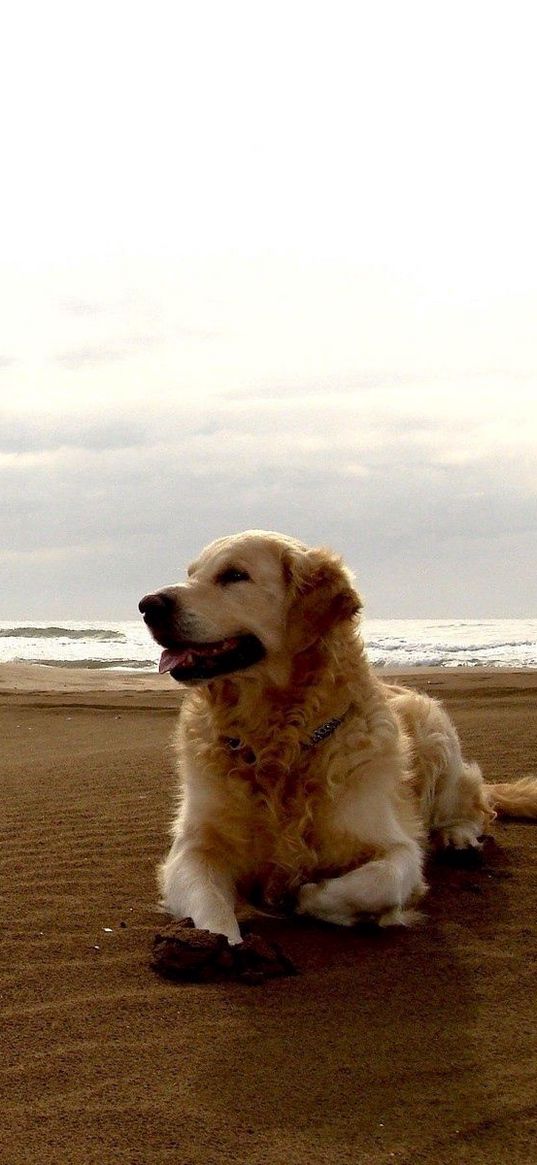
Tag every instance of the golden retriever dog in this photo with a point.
(306, 781)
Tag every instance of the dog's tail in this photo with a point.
(515, 798)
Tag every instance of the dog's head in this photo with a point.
(250, 599)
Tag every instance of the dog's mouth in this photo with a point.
(189, 661)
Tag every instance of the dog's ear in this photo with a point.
(321, 595)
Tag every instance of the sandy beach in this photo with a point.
(399, 1046)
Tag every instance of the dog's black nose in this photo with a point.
(155, 608)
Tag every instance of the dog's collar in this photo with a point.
(325, 730)
(235, 744)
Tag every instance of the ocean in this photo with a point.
(391, 643)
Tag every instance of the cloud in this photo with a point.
(414, 521)
(348, 384)
(83, 307)
(92, 355)
(23, 435)
(32, 556)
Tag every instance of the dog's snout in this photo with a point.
(155, 607)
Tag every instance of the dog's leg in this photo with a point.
(194, 886)
(461, 810)
(381, 815)
(453, 799)
(382, 887)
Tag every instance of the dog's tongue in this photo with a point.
(170, 659)
(186, 656)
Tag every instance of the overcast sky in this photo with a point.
(269, 265)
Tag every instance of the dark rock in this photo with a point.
(182, 952)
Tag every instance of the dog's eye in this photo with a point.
(232, 575)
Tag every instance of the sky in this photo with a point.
(268, 265)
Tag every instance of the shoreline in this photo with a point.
(26, 682)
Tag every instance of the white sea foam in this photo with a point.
(451, 642)
(70, 643)
(391, 643)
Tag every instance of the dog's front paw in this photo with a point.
(314, 898)
(306, 898)
(463, 836)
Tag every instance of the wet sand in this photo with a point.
(403, 1047)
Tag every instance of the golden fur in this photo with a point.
(337, 828)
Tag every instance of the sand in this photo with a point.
(403, 1047)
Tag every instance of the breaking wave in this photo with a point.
(96, 664)
(390, 643)
(101, 634)
(464, 643)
